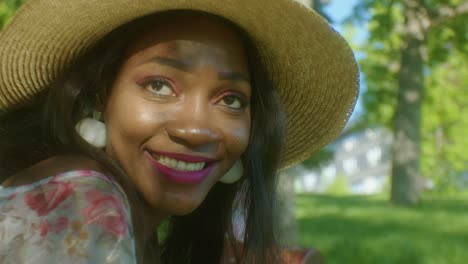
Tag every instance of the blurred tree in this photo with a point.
(7, 9)
(408, 39)
(321, 158)
(445, 126)
(288, 229)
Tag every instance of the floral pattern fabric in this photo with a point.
(75, 217)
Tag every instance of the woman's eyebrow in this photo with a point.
(187, 67)
(171, 62)
(234, 77)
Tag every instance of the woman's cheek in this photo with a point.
(240, 138)
(144, 117)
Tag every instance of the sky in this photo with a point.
(338, 10)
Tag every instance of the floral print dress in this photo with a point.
(76, 217)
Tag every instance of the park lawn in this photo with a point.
(367, 229)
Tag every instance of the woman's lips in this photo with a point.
(180, 168)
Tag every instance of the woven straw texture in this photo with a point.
(311, 66)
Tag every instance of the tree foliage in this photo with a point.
(445, 122)
(444, 45)
(381, 63)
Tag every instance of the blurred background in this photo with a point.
(393, 188)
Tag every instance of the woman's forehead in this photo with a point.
(200, 40)
(187, 25)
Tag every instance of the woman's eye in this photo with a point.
(159, 87)
(232, 101)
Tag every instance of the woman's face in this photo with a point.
(178, 115)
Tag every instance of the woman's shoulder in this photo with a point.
(56, 165)
(76, 205)
(82, 173)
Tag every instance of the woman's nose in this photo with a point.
(194, 127)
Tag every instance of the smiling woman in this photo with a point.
(114, 122)
(174, 106)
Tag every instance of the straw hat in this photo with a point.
(310, 65)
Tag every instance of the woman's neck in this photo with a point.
(146, 221)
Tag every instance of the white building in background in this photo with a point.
(363, 158)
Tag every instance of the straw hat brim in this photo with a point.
(311, 67)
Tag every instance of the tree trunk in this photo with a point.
(288, 232)
(406, 147)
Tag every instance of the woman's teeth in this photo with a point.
(180, 165)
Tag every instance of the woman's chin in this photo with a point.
(179, 206)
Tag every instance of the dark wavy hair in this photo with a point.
(44, 127)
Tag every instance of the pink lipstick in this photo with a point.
(179, 176)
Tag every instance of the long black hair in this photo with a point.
(44, 127)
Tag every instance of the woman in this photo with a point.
(120, 115)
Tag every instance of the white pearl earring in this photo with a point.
(233, 174)
(92, 130)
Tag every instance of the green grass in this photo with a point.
(364, 230)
